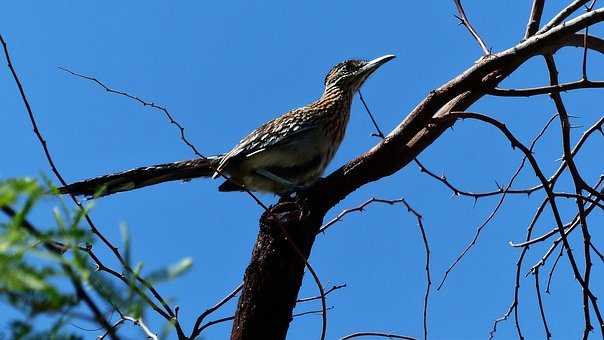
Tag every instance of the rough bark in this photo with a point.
(273, 278)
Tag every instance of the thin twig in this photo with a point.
(101, 267)
(499, 204)
(170, 118)
(502, 318)
(579, 187)
(551, 272)
(600, 255)
(137, 322)
(568, 228)
(554, 207)
(585, 43)
(516, 302)
(312, 298)
(359, 208)
(548, 334)
(213, 322)
(534, 91)
(420, 224)
(310, 312)
(377, 334)
(230, 318)
(379, 133)
(197, 327)
(461, 15)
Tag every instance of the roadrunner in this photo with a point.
(283, 155)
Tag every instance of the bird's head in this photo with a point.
(351, 74)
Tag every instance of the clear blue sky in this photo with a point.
(222, 68)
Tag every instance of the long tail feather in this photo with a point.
(142, 177)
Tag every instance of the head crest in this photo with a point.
(343, 69)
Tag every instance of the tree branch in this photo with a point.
(535, 18)
(463, 18)
(76, 281)
(411, 137)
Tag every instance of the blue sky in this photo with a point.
(222, 68)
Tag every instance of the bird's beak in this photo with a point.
(374, 64)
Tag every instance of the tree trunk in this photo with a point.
(273, 278)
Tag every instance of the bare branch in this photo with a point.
(600, 255)
(310, 312)
(334, 287)
(562, 15)
(359, 208)
(100, 266)
(504, 317)
(214, 322)
(197, 327)
(516, 302)
(568, 228)
(230, 318)
(500, 126)
(586, 43)
(534, 91)
(143, 102)
(463, 18)
(420, 224)
(137, 322)
(410, 137)
(551, 273)
(499, 191)
(497, 207)
(377, 334)
(379, 132)
(579, 186)
(535, 18)
(548, 334)
(170, 118)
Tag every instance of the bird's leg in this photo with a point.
(300, 189)
(267, 174)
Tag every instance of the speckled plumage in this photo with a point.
(283, 155)
(292, 151)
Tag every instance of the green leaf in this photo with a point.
(10, 189)
(170, 272)
(126, 240)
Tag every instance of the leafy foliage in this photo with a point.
(34, 260)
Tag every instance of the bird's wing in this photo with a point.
(275, 132)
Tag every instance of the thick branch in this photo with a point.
(408, 139)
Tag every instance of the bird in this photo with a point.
(282, 156)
